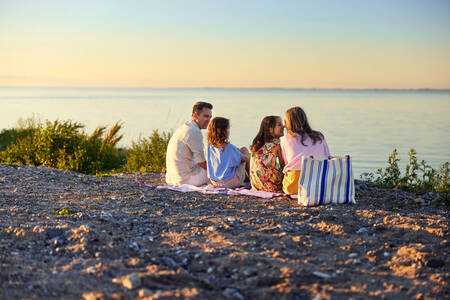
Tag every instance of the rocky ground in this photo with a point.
(118, 239)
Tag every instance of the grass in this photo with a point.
(66, 145)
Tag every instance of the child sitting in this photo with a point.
(265, 173)
(299, 141)
(226, 164)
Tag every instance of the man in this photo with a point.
(185, 158)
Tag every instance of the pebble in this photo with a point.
(145, 293)
(321, 275)
(131, 281)
(169, 262)
(232, 293)
(97, 295)
(353, 255)
(419, 200)
(54, 232)
(362, 230)
(435, 263)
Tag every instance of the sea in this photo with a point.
(366, 124)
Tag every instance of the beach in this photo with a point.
(119, 239)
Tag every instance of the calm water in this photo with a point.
(366, 124)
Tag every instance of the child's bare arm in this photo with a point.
(245, 155)
(280, 156)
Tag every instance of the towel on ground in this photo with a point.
(205, 189)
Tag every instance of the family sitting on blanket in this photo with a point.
(273, 165)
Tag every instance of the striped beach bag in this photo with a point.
(325, 181)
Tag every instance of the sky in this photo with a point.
(232, 44)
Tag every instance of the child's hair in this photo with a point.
(217, 132)
(296, 122)
(264, 135)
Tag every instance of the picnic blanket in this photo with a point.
(205, 189)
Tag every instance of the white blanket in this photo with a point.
(205, 189)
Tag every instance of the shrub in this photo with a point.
(65, 145)
(148, 154)
(417, 176)
(23, 129)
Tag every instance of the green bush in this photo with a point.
(23, 129)
(417, 176)
(148, 154)
(65, 145)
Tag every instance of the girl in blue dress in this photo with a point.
(227, 166)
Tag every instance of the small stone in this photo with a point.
(212, 228)
(435, 263)
(97, 295)
(145, 293)
(54, 232)
(321, 275)
(353, 255)
(419, 200)
(386, 254)
(362, 230)
(231, 219)
(169, 262)
(130, 281)
(232, 293)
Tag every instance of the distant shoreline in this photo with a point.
(235, 88)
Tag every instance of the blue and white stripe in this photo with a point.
(325, 181)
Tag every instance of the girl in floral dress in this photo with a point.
(265, 171)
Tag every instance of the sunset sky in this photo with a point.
(261, 44)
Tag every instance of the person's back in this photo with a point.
(185, 158)
(181, 161)
(226, 163)
(293, 149)
(266, 162)
(299, 141)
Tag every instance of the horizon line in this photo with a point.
(235, 88)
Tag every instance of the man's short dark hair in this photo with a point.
(199, 106)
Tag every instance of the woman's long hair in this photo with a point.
(264, 135)
(296, 122)
(217, 132)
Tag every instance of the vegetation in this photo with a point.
(65, 145)
(148, 154)
(63, 212)
(24, 129)
(418, 176)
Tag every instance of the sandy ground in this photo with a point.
(127, 241)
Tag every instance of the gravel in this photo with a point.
(120, 239)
